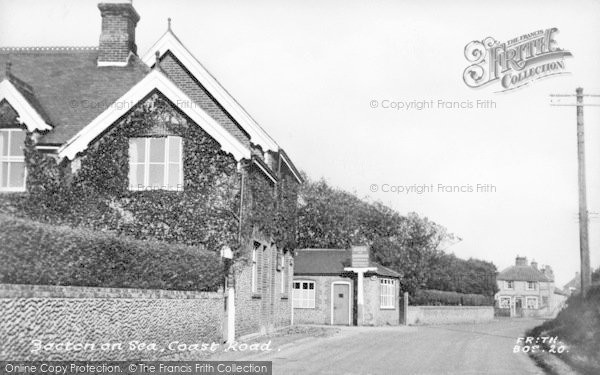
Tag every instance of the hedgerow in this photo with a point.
(43, 254)
(430, 297)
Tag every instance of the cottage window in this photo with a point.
(504, 303)
(531, 285)
(532, 302)
(12, 160)
(155, 163)
(510, 284)
(387, 288)
(304, 295)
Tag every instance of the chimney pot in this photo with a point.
(521, 261)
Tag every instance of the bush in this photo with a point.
(36, 253)
(430, 297)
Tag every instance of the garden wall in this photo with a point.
(82, 319)
(449, 314)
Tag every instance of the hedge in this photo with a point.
(43, 254)
(430, 297)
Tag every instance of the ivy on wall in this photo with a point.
(93, 190)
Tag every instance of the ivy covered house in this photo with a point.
(152, 147)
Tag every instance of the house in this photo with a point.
(528, 290)
(344, 287)
(573, 286)
(150, 146)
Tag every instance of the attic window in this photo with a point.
(155, 163)
(12, 160)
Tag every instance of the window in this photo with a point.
(155, 163)
(304, 295)
(387, 288)
(12, 160)
(504, 302)
(284, 274)
(510, 284)
(255, 268)
(532, 302)
(545, 301)
(531, 285)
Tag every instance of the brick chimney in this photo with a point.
(534, 264)
(521, 261)
(117, 39)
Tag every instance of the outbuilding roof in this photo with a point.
(522, 273)
(330, 262)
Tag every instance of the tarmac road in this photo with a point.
(476, 349)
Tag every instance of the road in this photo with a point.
(447, 349)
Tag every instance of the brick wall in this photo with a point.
(80, 315)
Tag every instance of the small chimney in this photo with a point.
(534, 264)
(117, 39)
(521, 261)
(549, 273)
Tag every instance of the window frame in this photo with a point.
(304, 300)
(534, 283)
(504, 298)
(284, 273)
(10, 159)
(509, 284)
(527, 299)
(387, 293)
(166, 164)
(254, 282)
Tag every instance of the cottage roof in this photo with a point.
(522, 273)
(330, 262)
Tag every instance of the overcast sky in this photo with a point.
(307, 71)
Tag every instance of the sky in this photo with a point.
(310, 72)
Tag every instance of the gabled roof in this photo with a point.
(155, 81)
(522, 273)
(68, 87)
(330, 262)
(170, 43)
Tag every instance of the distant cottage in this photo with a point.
(528, 290)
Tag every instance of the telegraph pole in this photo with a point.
(584, 245)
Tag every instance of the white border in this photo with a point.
(27, 114)
(350, 299)
(169, 42)
(154, 80)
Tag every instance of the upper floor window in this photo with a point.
(155, 163)
(531, 285)
(387, 288)
(304, 294)
(510, 284)
(12, 160)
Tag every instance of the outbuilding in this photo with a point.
(344, 287)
